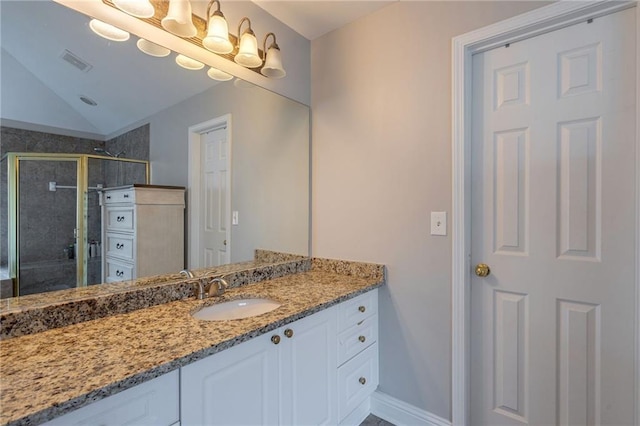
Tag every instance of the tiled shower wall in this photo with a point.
(47, 217)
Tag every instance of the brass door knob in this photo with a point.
(482, 270)
(362, 308)
(362, 338)
(275, 339)
(288, 332)
(362, 380)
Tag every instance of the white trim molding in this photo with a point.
(400, 413)
(193, 185)
(545, 19)
(358, 415)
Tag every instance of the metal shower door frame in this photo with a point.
(82, 186)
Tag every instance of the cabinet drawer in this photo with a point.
(120, 245)
(118, 271)
(120, 219)
(155, 402)
(357, 379)
(357, 338)
(355, 310)
(119, 196)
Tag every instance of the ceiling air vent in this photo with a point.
(74, 60)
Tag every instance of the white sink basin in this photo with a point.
(236, 309)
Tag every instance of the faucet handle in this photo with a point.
(222, 285)
(199, 290)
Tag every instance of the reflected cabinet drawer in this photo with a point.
(120, 245)
(118, 271)
(119, 196)
(119, 218)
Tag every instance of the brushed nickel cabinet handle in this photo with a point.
(275, 339)
(362, 380)
(289, 333)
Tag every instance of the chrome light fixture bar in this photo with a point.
(175, 16)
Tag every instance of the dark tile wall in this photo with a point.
(48, 217)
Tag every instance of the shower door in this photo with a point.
(47, 209)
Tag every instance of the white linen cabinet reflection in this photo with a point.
(142, 231)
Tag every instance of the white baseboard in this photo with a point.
(400, 413)
(358, 415)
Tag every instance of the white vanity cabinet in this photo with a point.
(285, 377)
(153, 403)
(357, 351)
(142, 231)
(318, 370)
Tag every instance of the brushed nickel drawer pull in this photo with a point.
(362, 338)
(362, 380)
(362, 308)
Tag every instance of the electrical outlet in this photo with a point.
(438, 223)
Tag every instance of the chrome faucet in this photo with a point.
(187, 273)
(221, 286)
(200, 291)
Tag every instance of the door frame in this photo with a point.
(193, 186)
(545, 19)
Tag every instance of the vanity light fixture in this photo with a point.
(188, 63)
(211, 33)
(216, 74)
(179, 20)
(152, 49)
(137, 8)
(273, 59)
(108, 31)
(247, 55)
(217, 39)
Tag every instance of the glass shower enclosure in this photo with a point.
(54, 217)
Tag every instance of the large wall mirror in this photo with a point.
(147, 109)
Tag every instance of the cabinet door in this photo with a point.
(308, 368)
(238, 386)
(152, 403)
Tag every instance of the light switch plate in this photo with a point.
(438, 223)
(234, 217)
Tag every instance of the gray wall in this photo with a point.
(382, 153)
(270, 163)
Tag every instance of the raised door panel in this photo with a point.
(554, 216)
(238, 386)
(151, 403)
(357, 379)
(308, 368)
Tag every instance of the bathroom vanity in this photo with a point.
(313, 360)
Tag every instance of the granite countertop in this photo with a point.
(49, 373)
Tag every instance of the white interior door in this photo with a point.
(215, 232)
(553, 215)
